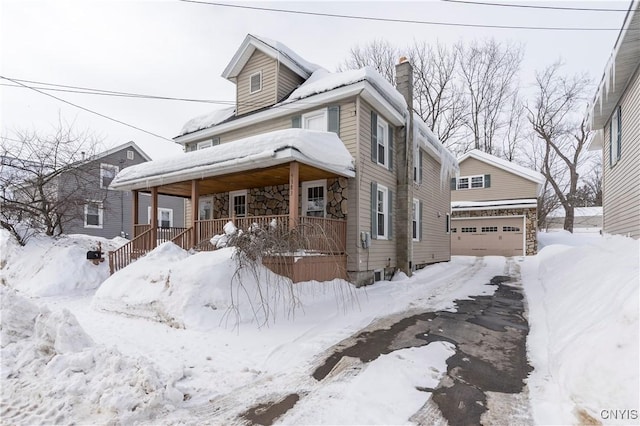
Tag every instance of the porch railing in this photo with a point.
(312, 234)
(131, 251)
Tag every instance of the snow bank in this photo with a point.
(52, 372)
(49, 266)
(199, 291)
(584, 328)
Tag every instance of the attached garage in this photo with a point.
(488, 236)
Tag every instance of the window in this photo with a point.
(510, 229)
(615, 137)
(416, 213)
(255, 82)
(208, 143)
(381, 142)
(107, 173)
(448, 223)
(472, 182)
(165, 217)
(382, 210)
(417, 165)
(468, 229)
(454, 230)
(238, 203)
(93, 214)
(316, 120)
(489, 229)
(314, 197)
(130, 155)
(477, 182)
(205, 207)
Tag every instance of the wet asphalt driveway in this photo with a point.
(484, 383)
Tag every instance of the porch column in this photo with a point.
(195, 209)
(294, 181)
(134, 213)
(153, 220)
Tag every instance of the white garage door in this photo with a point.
(487, 236)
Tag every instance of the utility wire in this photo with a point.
(87, 109)
(530, 6)
(88, 91)
(403, 21)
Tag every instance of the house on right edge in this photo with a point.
(494, 207)
(615, 117)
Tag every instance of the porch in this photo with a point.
(232, 183)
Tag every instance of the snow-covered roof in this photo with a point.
(492, 205)
(423, 135)
(323, 81)
(207, 120)
(323, 150)
(272, 48)
(130, 144)
(620, 69)
(578, 212)
(514, 168)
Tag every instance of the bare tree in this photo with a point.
(438, 97)
(558, 121)
(378, 54)
(46, 180)
(489, 70)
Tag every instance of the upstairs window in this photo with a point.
(107, 173)
(381, 142)
(316, 120)
(255, 82)
(472, 182)
(130, 155)
(615, 137)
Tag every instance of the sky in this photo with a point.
(180, 49)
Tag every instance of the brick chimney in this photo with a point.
(404, 156)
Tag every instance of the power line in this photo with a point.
(530, 6)
(87, 109)
(403, 21)
(89, 91)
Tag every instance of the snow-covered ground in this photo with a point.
(173, 339)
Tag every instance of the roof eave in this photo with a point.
(368, 92)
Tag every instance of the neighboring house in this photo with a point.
(107, 213)
(303, 145)
(494, 207)
(615, 115)
(586, 220)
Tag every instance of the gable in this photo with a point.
(247, 97)
(505, 185)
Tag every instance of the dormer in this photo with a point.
(265, 72)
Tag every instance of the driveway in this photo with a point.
(484, 381)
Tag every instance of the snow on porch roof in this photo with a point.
(323, 150)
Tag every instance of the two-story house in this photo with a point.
(494, 207)
(107, 212)
(305, 146)
(615, 117)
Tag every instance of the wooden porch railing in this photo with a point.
(312, 234)
(316, 234)
(184, 239)
(131, 251)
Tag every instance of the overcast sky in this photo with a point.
(179, 49)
